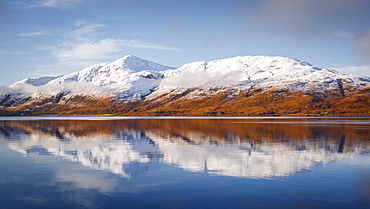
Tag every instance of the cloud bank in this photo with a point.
(203, 79)
(74, 87)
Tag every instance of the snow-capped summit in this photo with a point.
(136, 64)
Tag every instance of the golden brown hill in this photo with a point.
(227, 102)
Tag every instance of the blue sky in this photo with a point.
(57, 37)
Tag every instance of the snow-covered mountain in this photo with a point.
(132, 79)
(261, 72)
(128, 74)
(138, 76)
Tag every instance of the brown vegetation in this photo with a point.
(198, 130)
(221, 103)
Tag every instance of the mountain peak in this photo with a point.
(137, 64)
(128, 58)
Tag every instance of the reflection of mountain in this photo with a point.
(241, 148)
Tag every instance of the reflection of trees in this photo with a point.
(199, 130)
(278, 130)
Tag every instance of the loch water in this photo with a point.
(150, 162)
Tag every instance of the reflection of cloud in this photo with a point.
(11, 179)
(84, 180)
(112, 157)
(80, 179)
(33, 199)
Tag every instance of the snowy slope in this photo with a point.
(130, 76)
(258, 71)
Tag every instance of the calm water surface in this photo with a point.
(89, 162)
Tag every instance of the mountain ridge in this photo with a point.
(134, 86)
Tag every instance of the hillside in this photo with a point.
(238, 86)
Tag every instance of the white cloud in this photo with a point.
(359, 70)
(202, 78)
(85, 33)
(69, 53)
(82, 48)
(76, 87)
(80, 22)
(11, 52)
(55, 3)
(135, 43)
(30, 34)
(7, 90)
(46, 47)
